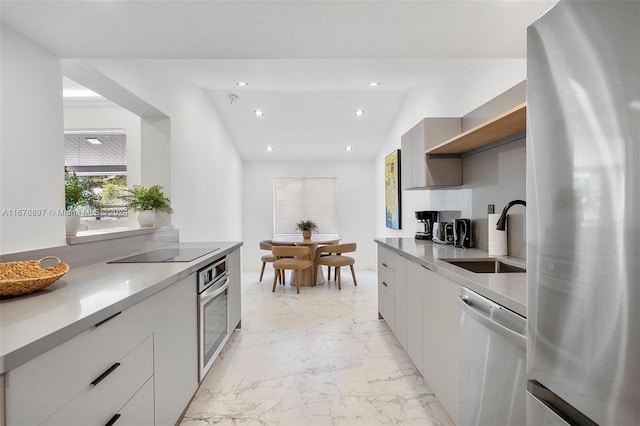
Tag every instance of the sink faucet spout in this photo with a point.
(503, 217)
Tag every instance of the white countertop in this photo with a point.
(506, 289)
(33, 324)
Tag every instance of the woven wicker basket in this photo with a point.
(27, 276)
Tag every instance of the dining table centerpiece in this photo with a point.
(306, 226)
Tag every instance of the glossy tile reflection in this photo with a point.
(321, 357)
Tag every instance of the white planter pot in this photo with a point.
(146, 218)
(72, 223)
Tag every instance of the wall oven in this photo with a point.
(213, 314)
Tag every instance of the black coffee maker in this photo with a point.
(462, 233)
(424, 226)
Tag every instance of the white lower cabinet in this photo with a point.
(400, 300)
(416, 283)
(386, 308)
(100, 400)
(386, 287)
(441, 333)
(138, 411)
(89, 378)
(174, 315)
(235, 270)
(1, 399)
(421, 310)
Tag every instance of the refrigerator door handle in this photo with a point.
(517, 338)
(559, 406)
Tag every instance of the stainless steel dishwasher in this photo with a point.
(492, 363)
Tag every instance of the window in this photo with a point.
(296, 199)
(100, 156)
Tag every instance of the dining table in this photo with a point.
(305, 276)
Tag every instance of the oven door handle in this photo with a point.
(211, 293)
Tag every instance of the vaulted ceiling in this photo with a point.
(308, 63)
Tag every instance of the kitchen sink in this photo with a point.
(485, 266)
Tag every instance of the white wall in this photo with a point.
(356, 203)
(31, 144)
(453, 96)
(206, 169)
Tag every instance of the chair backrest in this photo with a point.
(265, 245)
(290, 251)
(337, 248)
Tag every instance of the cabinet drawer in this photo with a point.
(138, 411)
(96, 404)
(388, 276)
(43, 385)
(386, 305)
(386, 258)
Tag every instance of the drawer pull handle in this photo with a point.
(105, 374)
(384, 284)
(426, 267)
(384, 264)
(112, 420)
(107, 319)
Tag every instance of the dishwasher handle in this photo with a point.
(512, 335)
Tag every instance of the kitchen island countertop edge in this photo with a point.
(32, 324)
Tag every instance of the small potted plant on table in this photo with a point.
(78, 194)
(306, 226)
(147, 201)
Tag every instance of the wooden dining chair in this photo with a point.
(336, 260)
(267, 258)
(295, 258)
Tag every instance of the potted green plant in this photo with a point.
(78, 194)
(147, 201)
(306, 226)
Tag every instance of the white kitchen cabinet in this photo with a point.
(138, 411)
(57, 376)
(157, 337)
(400, 299)
(418, 171)
(235, 308)
(416, 283)
(174, 318)
(392, 271)
(441, 333)
(2, 400)
(386, 286)
(96, 404)
(420, 307)
(386, 308)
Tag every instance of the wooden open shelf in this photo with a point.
(506, 124)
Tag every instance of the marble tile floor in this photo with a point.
(318, 358)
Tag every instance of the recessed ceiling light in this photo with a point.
(359, 112)
(374, 84)
(348, 148)
(258, 113)
(268, 148)
(242, 83)
(93, 141)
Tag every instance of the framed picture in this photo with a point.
(392, 190)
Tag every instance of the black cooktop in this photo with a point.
(166, 255)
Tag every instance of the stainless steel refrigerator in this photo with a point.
(583, 214)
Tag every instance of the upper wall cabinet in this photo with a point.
(418, 171)
(511, 122)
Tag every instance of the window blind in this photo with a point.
(296, 199)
